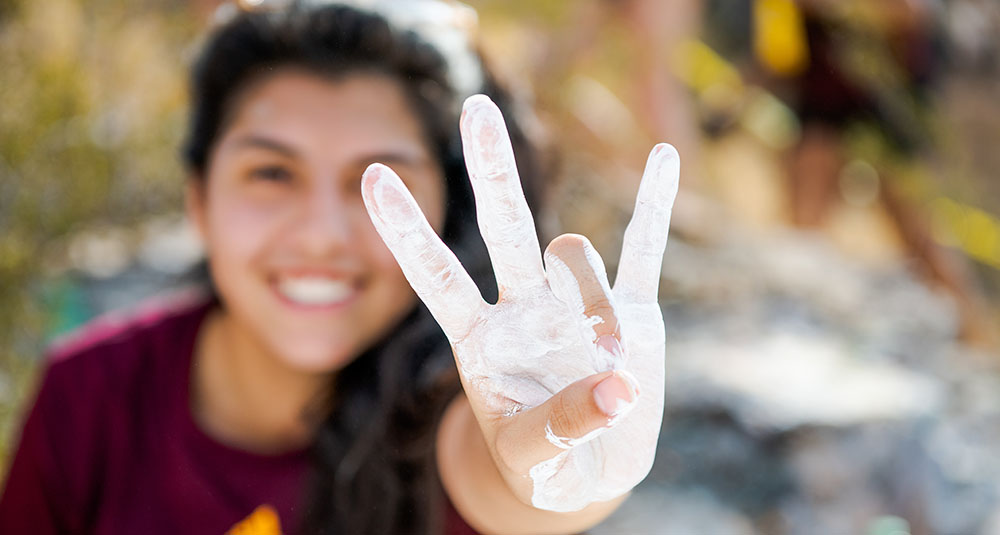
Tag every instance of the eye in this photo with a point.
(272, 173)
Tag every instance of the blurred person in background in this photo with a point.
(864, 71)
(309, 391)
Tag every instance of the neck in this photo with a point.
(245, 396)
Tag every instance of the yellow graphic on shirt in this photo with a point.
(262, 521)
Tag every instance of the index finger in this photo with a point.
(646, 236)
(429, 265)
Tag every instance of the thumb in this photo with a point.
(575, 415)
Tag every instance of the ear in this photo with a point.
(195, 202)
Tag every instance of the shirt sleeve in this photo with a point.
(33, 498)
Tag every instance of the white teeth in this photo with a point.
(314, 290)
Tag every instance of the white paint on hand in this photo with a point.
(504, 218)
(567, 442)
(537, 339)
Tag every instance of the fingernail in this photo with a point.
(614, 396)
(630, 380)
(609, 343)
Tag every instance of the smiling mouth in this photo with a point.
(315, 292)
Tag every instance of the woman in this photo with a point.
(314, 393)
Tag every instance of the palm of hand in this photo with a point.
(530, 362)
(525, 352)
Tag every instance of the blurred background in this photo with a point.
(831, 284)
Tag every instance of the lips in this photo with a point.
(315, 291)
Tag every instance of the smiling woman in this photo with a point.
(294, 254)
(313, 392)
(298, 103)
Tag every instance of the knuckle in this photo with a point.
(567, 246)
(602, 308)
(569, 420)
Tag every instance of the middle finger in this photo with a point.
(504, 217)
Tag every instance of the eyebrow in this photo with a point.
(398, 158)
(387, 157)
(265, 143)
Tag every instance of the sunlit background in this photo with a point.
(831, 283)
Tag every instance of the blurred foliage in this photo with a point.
(93, 110)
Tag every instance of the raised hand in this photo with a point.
(565, 374)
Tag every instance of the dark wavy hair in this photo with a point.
(374, 463)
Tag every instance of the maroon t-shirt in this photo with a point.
(110, 445)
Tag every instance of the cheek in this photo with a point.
(238, 233)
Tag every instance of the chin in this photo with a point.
(317, 357)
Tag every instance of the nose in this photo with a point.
(324, 227)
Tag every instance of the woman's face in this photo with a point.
(293, 254)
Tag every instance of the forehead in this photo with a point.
(357, 112)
